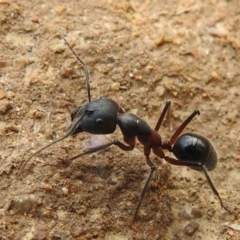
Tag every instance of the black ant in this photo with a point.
(101, 116)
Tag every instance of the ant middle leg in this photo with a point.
(153, 168)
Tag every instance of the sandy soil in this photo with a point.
(139, 53)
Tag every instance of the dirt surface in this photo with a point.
(139, 53)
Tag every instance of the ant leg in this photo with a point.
(164, 111)
(213, 188)
(130, 141)
(152, 167)
(182, 126)
(159, 153)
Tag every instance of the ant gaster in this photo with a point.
(101, 116)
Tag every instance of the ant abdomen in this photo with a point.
(195, 148)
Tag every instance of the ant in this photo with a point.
(101, 116)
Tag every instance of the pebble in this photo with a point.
(2, 94)
(115, 86)
(28, 25)
(184, 215)
(60, 9)
(58, 48)
(233, 226)
(160, 39)
(191, 228)
(65, 190)
(2, 64)
(5, 105)
(40, 233)
(160, 90)
(218, 31)
(196, 212)
(103, 172)
(2, 127)
(11, 127)
(48, 187)
(26, 206)
(215, 76)
(131, 75)
(37, 114)
(22, 62)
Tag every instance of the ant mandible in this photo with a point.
(101, 116)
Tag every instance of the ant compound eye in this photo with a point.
(89, 113)
(99, 121)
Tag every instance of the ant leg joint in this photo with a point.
(197, 112)
(153, 168)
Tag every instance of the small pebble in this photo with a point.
(184, 215)
(115, 86)
(2, 94)
(58, 48)
(2, 127)
(22, 62)
(131, 75)
(103, 172)
(2, 64)
(28, 25)
(5, 105)
(191, 228)
(160, 39)
(11, 127)
(160, 90)
(60, 9)
(37, 114)
(196, 212)
(35, 19)
(205, 95)
(215, 76)
(65, 190)
(234, 227)
(218, 31)
(48, 187)
(40, 233)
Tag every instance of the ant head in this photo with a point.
(96, 117)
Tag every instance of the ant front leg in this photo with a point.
(130, 147)
(183, 126)
(166, 109)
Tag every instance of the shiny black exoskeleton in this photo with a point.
(194, 147)
(96, 117)
(103, 115)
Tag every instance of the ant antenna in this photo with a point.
(85, 69)
(39, 150)
(89, 99)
